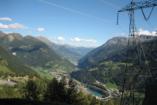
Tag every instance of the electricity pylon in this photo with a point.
(128, 91)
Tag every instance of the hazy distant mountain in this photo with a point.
(34, 52)
(73, 54)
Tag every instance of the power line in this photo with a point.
(73, 11)
(110, 4)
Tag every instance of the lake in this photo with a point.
(94, 92)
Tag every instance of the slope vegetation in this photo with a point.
(11, 65)
(34, 53)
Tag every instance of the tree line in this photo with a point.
(59, 91)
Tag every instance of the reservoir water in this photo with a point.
(94, 92)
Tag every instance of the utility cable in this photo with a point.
(144, 15)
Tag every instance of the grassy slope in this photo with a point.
(12, 64)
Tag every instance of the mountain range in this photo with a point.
(72, 53)
(28, 53)
(25, 55)
(107, 63)
(33, 52)
(107, 51)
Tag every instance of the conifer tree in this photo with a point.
(31, 91)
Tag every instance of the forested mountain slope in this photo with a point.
(34, 52)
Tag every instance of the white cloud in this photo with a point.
(80, 40)
(146, 32)
(90, 40)
(5, 19)
(3, 26)
(76, 41)
(60, 38)
(16, 26)
(40, 29)
(11, 26)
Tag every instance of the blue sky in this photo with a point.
(76, 22)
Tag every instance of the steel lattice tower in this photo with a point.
(128, 92)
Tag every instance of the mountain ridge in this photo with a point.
(34, 52)
(72, 53)
(103, 52)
